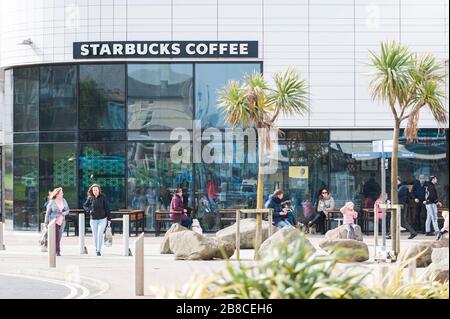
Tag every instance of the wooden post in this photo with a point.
(270, 221)
(238, 234)
(2, 244)
(126, 234)
(51, 235)
(258, 235)
(81, 233)
(139, 266)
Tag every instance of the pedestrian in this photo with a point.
(280, 214)
(97, 207)
(403, 199)
(349, 215)
(418, 193)
(177, 210)
(445, 228)
(325, 204)
(57, 209)
(431, 203)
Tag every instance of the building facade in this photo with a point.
(71, 122)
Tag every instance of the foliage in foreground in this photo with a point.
(294, 271)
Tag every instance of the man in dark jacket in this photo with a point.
(418, 193)
(431, 202)
(403, 199)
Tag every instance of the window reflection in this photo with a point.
(159, 96)
(103, 164)
(209, 78)
(152, 178)
(102, 96)
(26, 191)
(26, 99)
(58, 98)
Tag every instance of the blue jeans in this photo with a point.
(98, 228)
(284, 223)
(431, 218)
(350, 230)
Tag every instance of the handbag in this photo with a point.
(43, 240)
(108, 236)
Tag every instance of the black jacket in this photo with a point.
(403, 195)
(419, 191)
(97, 207)
(275, 203)
(432, 197)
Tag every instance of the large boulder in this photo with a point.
(427, 248)
(438, 269)
(287, 234)
(189, 245)
(341, 233)
(165, 244)
(248, 232)
(357, 250)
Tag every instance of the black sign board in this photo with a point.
(165, 49)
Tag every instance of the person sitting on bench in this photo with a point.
(176, 206)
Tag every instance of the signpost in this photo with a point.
(382, 149)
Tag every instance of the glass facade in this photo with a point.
(58, 98)
(111, 124)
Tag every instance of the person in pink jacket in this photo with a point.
(349, 215)
(445, 228)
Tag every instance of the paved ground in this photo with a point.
(109, 275)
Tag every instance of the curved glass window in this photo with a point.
(209, 78)
(26, 99)
(160, 96)
(58, 98)
(102, 96)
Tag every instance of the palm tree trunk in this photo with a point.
(259, 195)
(394, 192)
(394, 163)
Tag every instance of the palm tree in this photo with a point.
(409, 83)
(253, 103)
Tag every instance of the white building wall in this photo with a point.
(326, 40)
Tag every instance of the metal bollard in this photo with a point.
(81, 234)
(52, 244)
(139, 266)
(126, 235)
(2, 245)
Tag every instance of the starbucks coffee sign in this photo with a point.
(165, 49)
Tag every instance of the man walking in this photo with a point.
(418, 193)
(403, 199)
(431, 202)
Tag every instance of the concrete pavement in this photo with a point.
(110, 275)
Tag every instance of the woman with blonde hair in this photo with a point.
(97, 207)
(57, 208)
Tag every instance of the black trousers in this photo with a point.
(404, 220)
(420, 214)
(319, 218)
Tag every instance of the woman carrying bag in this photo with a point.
(97, 207)
(57, 208)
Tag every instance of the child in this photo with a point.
(349, 214)
(445, 228)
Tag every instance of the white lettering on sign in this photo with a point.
(117, 49)
(130, 49)
(84, 49)
(189, 49)
(165, 49)
(105, 50)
